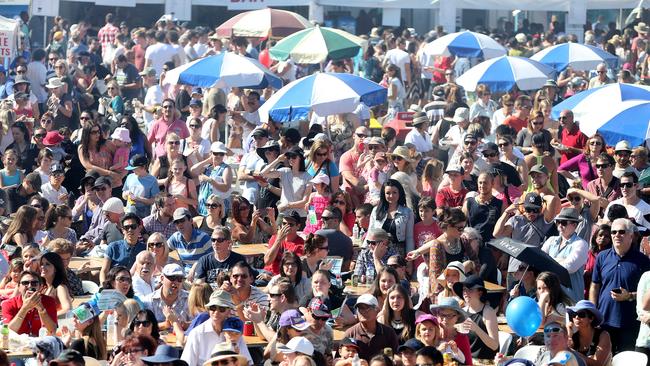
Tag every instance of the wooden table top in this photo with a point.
(361, 289)
(95, 263)
(251, 250)
(493, 287)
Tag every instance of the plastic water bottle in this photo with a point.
(356, 361)
(355, 232)
(43, 332)
(5, 336)
(111, 328)
(311, 216)
(338, 282)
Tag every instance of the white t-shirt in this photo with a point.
(400, 59)
(159, 53)
(154, 96)
(52, 195)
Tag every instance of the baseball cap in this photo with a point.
(349, 342)
(67, 356)
(539, 168)
(412, 344)
(533, 201)
(318, 308)
(233, 324)
(294, 319)
(148, 71)
(113, 205)
(56, 168)
(455, 169)
(292, 215)
(298, 345)
(138, 160)
(102, 181)
(321, 178)
(181, 213)
(196, 102)
(367, 299)
(260, 132)
(173, 269)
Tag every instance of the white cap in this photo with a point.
(218, 147)
(173, 269)
(298, 345)
(113, 205)
(321, 178)
(367, 299)
(622, 146)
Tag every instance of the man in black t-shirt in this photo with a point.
(210, 265)
(339, 244)
(128, 78)
(17, 196)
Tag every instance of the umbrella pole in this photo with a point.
(522, 277)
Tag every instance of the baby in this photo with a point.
(122, 140)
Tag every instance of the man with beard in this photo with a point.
(539, 178)
(160, 220)
(169, 302)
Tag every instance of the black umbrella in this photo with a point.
(532, 255)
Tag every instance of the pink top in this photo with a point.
(160, 129)
(319, 202)
(580, 163)
(121, 157)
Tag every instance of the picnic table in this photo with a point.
(361, 289)
(250, 250)
(94, 264)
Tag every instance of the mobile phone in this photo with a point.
(617, 291)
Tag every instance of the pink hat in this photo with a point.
(121, 134)
(52, 138)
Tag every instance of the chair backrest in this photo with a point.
(89, 287)
(628, 358)
(504, 342)
(528, 352)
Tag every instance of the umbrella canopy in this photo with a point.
(578, 56)
(600, 99)
(502, 73)
(263, 23)
(629, 120)
(465, 44)
(317, 44)
(532, 255)
(325, 94)
(225, 69)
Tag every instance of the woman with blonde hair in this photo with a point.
(535, 124)
(115, 105)
(7, 119)
(199, 296)
(500, 115)
(318, 161)
(157, 244)
(431, 177)
(427, 330)
(215, 215)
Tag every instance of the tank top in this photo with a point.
(204, 226)
(483, 217)
(476, 345)
(10, 180)
(593, 347)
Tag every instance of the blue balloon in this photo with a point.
(523, 316)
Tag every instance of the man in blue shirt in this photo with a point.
(123, 252)
(613, 286)
(190, 243)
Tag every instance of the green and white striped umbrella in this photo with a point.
(317, 44)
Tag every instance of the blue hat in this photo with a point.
(412, 344)
(194, 102)
(590, 307)
(233, 324)
(165, 354)
(451, 304)
(196, 90)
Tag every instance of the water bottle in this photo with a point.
(312, 215)
(338, 282)
(43, 332)
(111, 328)
(5, 336)
(356, 361)
(355, 232)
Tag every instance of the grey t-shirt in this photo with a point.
(527, 232)
(293, 187)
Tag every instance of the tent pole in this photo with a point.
(44, 31)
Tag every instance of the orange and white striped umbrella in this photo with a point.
(263, 23)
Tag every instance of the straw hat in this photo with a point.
(402, 152)
(642, 28)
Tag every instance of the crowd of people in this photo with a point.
(103, 159)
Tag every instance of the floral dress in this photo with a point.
(319, 203)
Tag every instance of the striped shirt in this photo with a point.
(190, 252)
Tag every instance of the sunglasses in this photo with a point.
(291, 224)
(221, 309)
(130, 227)
(595, 143)
(490, 154)
(626, 184)
(397, 158)
(213, 205)
(602, 166)
(582, 314)
(550, 330)
(219, 240)
(326, 218)
(158, 244)
(195, 126)
(123, 279)
(618, 232)
(470, 142)
(143, 323)
(274, 295)
(338, 202)
(504, 144)
(361, 135)
(218, 154)
(563, 222)
(173, 142)
(33, 283)
(537, 123)
(373, 242)
(175, 278)
(94, 132)
(46, 121)
(321, 154)
(563, 118)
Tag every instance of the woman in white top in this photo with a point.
(294, 180)
(396, 91)
(195, 148)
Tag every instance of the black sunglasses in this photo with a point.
(144, 323)
(157, 244)
(218, 240)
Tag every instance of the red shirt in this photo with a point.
(297, 246)
(32, 322)
(573, 138)
(516, 123)
(447, 198)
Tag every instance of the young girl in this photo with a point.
(427, 229)
(318, 200)
(44, 161)
(10, 175)
(432, 177)
(122, 140)
(10, 282)
(377, 177)
(181, 187)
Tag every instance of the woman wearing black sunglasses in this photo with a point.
(145, 324)
(590, 342)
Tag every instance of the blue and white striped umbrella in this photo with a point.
(224, 70)
(600, 99)
(629, 120)
(579, 56)
(465, 44)
(502, 73)
(325, 94)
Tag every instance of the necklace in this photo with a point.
(396, 324)
(454, 247)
